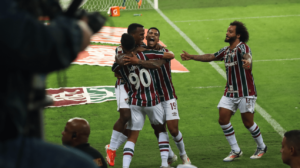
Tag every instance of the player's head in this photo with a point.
(237, 31)
(290, 150)
(127, 43)
(137, 31)
(76, 132)
(152, 37)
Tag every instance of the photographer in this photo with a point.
(30, 50)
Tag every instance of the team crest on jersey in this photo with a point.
(119, 49)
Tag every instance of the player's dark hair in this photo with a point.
(241, 30)
(132, 28)
(155, 29)
(127, 42)
(293, 139)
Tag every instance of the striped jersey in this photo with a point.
(164, 83)
(140, 82)
(119, 81)
(240, 82)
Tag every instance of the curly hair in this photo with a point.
(241, 30)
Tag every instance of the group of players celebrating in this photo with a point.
(144, 87)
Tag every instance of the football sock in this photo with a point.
(128, 153)
(114, 140)
(122, 139)
(163, 142)
(230, 136)
(171, 153)
(255, 131)
(179, 143)
(124, 1)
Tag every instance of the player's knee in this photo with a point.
(174, 132)
(223, 121)
(248, 124)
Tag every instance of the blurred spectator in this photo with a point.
(290, 150)
(76, 134)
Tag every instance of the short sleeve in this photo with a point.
(220, 54)
(243, 49)
(115, 67)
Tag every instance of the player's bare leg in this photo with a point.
(248, 120)
(224, 121)
(139, 2)
(119, 135)
(178, 139)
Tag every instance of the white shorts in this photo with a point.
(138, 115)
(122, 97)
(245, 104)
(171, 109)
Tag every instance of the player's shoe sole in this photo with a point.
(172, 160)
(185, 159)
(259, 153)
(232, 156)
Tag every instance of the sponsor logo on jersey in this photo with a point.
(174, 114)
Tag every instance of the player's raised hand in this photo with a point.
(133, 60)
(247, 64)
(185, 56)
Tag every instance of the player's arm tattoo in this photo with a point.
(152, 64)
(204, 58)
(247, 60)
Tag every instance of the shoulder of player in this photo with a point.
(119, 49)
(243, 47)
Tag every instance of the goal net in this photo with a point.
(104, 5)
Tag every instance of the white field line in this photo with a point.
(287, 59)
(258, 17)
(260, 110)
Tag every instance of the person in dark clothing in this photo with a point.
(30, 50)
(76, 134)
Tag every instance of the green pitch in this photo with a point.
(274, 30)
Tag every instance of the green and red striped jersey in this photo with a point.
(240, 82)
(164, 83)
(140, 82)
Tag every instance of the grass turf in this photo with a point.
(276, 81)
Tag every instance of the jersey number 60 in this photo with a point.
(141, 79)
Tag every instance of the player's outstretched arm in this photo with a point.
(149, 64)
(203, 58)
(247, 59)
(168, 55)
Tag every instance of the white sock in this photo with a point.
(179, 143)
(128, 153)
(122, 139)
(163, 142)
(255, 131)
(171, 153)
(230, 136)
(114, 140)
